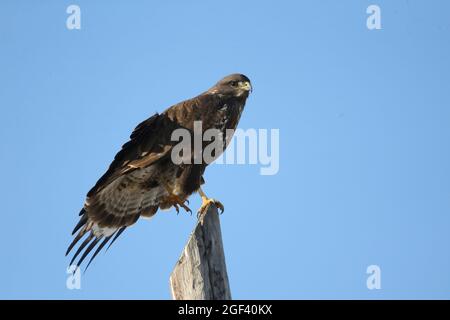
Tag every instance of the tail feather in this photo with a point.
(80, 223)
(75, 240)
(100, 247)
(116, 236)
(95, 235)
(82, 246)
(89, 249)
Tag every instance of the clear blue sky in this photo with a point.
(364, 119)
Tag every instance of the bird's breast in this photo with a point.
(228, 116)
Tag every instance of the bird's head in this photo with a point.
(234, 85)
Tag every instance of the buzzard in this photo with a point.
(143, 177)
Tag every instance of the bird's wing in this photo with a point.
(149, 142)
(114, 203)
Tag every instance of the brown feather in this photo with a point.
(142, 178)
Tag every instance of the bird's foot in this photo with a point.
(206, 202)
(177, 202)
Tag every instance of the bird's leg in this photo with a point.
(176, 201)
(206, 201)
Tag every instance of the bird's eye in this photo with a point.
(233, 83)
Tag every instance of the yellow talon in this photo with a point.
(176, 202)
(206, 202)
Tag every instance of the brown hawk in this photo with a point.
(143, 177)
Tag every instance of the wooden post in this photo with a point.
(201, 273)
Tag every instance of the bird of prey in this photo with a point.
(143, 178)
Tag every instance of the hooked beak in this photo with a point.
(245, 85)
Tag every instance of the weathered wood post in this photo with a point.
(201, 273)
